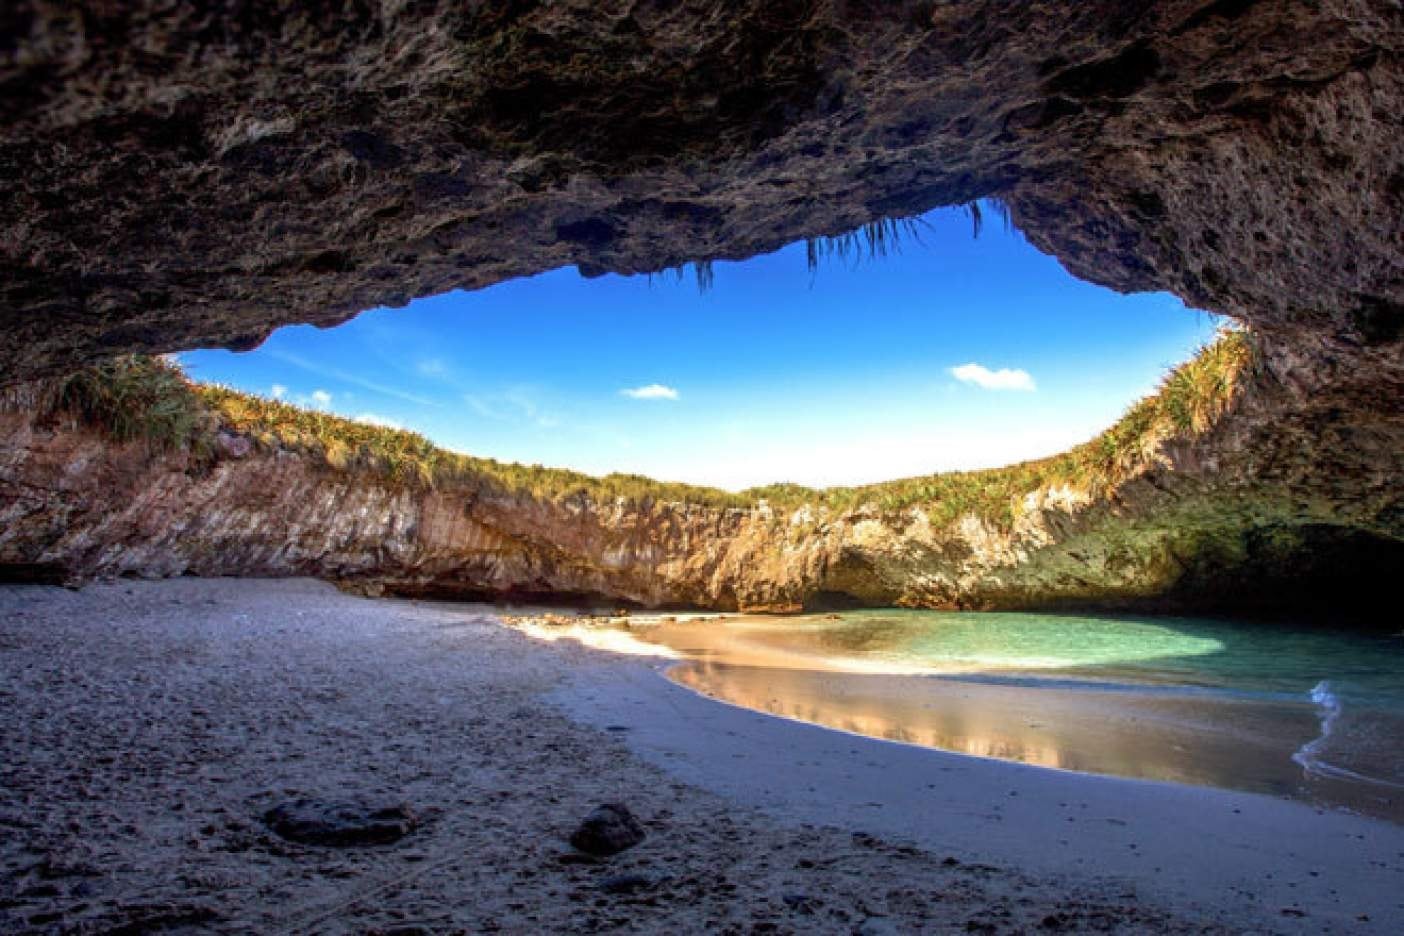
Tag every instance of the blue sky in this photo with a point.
(955, 353)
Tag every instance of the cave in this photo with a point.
(188, 640)
(1325, 574)
(188, 178)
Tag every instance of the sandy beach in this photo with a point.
(1184, 731)
(149, 726)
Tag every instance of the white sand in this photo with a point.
(148, 725)
(1249, 860)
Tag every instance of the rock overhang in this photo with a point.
(182, 176)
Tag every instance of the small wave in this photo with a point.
(1308, 756)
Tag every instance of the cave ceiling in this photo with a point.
(180, 175)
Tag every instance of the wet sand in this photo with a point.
(1233, 744)
(1184, 740)
(148, 726)
(1249, 861)
(817, 674)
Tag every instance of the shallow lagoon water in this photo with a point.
(1306, 713)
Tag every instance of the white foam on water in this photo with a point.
(1308, 756)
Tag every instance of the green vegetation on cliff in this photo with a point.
(132, 399)
(1188, 402)
(408, 457)
(139, 398)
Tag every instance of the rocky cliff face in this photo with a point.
(184, 175)
(1261, 513)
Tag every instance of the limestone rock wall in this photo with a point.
(1285, 504)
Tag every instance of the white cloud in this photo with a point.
(321, 398)
(484, 409)
(332, 373)
(653, 391)
(372, 419)
(513, 405)
(522, 401)
(431, 367)
(279, 391)
(1003, 379)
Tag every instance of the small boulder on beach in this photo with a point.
(608, 830)
(340, 823)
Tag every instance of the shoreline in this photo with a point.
(1234, 744)
(1219, 851)
(152, 723)
(1252, 741)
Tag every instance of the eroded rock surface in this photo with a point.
(183, 175)
(1292, 502)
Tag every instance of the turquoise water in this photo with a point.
(1184, 654)
(1271, 708)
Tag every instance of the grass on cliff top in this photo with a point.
(135, 398)
(409, 458)
(131, 399)
(1188, 402)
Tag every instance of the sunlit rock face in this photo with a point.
(1265, 513)
(183, 175)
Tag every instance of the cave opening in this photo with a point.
(897, 351)
(898, 453)
(928, 414)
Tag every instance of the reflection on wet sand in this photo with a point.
(1222, 743)
(1155, 699)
